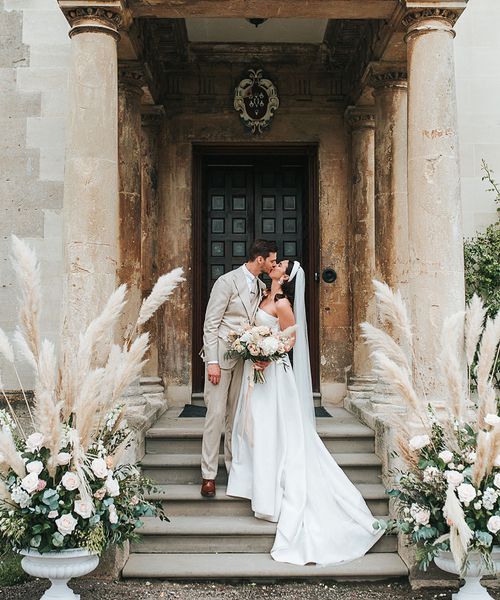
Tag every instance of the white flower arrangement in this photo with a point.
(452, 455)
(62, 486)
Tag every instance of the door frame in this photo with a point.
(308, 151)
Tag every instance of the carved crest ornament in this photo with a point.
(256, 99)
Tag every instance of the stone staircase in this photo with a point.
(219, 538)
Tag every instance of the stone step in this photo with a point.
(186, 500)
(186, 439)
(360, 467)
(218, 534)
(257, 567)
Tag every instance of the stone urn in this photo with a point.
(472, 590)
(59, 567)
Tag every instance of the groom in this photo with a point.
(233, 302)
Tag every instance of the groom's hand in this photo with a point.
(214, 374)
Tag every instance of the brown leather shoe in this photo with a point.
(208, 488)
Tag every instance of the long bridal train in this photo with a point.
(283, 467)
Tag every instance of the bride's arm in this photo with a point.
(286, 317)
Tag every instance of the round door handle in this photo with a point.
(329, 275)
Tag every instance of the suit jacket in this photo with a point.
(229, 307)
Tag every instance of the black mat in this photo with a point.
(192, 410)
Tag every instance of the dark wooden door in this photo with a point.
(244, 198)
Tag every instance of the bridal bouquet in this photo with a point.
(448, 493)
(259, 343)
(61, 482)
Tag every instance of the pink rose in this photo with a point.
(100, 493)
(41, 485)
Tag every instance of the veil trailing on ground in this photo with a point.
(301, 360)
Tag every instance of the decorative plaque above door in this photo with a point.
(256, 99)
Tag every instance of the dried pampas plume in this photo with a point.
(450, 361)
(392, 310)
(26, 267)
(161, 291)
(474, 323)
(9, 453)
(380, 341)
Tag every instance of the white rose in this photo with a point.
(113, 517)
(63, 458)
(53, 514)
(496, 481)
(70, 481)
(446, 456)
(454, 478)
(471, 457)
(82, 508)
(66, 524)
(478, 505)
(422, 516)
(460, 467)
(493, 524)
(35, 441)
(492, 419)
(99, 468)
(30, 482)
(112, 487)
(269, 345)
(419, 441)
(35, 466)
(466, 493)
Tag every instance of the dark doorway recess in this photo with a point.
(240, 194)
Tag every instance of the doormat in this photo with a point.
(192, 410)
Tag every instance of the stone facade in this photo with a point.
(34, 75)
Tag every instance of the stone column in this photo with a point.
(362, 125)
(151, 127)
(130, 82)
(90, 211)
(434, 206)
(391, 191)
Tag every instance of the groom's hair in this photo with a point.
(261, 248)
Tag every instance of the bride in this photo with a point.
(279, 461)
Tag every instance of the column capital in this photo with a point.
(360, 117)
(420, 20)
(102, 17)
(392, 78)
(152, 114)
(131, 77)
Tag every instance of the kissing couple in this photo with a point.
(279, 463)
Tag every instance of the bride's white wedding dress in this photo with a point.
(283, 467)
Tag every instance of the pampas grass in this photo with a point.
(380, 341)
(9, 453)
(391, 309)
(451, 363)
(162, 289)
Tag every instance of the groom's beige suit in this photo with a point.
(234, 301)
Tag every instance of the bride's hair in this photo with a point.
(287, 287)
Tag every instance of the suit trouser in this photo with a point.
(221, 401)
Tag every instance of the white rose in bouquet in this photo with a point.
(66, 524)
(70, 481)
(269, 345)
(82, 508)
(493, 524)
(263, 330)
(35, 441)
(419, 441)
(99, 468)
(496, 481)
(30, 482)
(53, 514)
(454, 478)
(466, 493)
(446, 456)
(35, 466)
(63, 458)
(112, 486)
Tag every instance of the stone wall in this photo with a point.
(34, 53)
(477, 66)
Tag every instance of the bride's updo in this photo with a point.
(287, 287)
